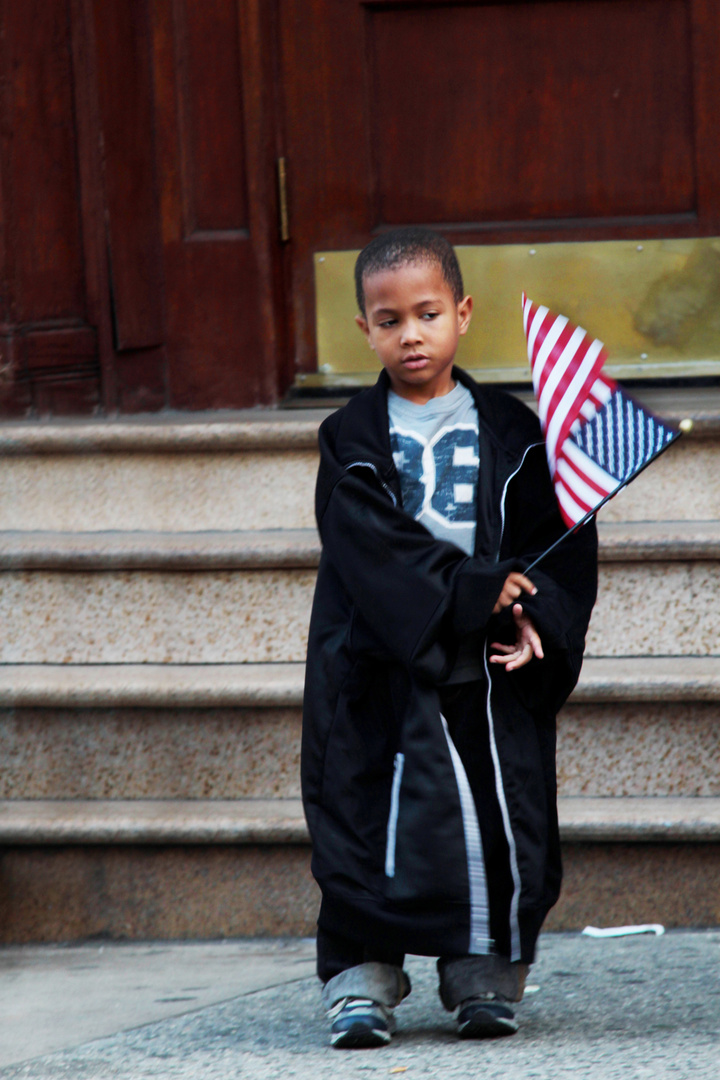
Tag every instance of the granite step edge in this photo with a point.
(274, 685)
(268, 685)
(240, 429)
(250, 549)
(296, 548)
(248, 429)
(281, 821)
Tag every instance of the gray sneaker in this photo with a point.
(485, 1017)
(359, 1023)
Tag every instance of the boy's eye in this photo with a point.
(430, 315)
(387, 322)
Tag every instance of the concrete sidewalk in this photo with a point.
(601, 1009)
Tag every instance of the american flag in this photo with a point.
(596, 437)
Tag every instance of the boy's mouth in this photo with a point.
(415, 361)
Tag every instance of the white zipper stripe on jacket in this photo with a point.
(504, 493)
(507, 826)
(374, 468)
(480, 941)
(499, 786)
(393, 817)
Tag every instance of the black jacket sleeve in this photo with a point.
(418, 593)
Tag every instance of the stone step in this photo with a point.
(223, 597)
(658, 541)
(663, 865)
(160, 474)
(228, 753)
(656, 609)
(632, 728)
(252, 549)
(606, 679)
(176, 686)
(152, 821)
(281, 821)
(155, 616)
(262, 615)
(177, 474)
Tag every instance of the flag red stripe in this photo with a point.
(554, 354)
(566, 379)
(591, 482)
(580, 396)
(545, 326)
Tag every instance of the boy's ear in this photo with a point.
(464, 310)
(363, 324)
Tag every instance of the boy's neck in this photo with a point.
(421, 395)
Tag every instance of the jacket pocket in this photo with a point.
(393, 815)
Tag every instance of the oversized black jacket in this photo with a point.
(396, 848)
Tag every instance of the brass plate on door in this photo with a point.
(655, 304)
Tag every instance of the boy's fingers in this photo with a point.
(507, 660)
(530, 635)
(522, 659)
(525, 584)
(515, 585)
(503, 648)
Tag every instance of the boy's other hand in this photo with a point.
(515, 584)
(527, 643)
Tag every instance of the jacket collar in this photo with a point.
(362, 431)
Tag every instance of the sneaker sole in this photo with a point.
(487, 1026)
(359, 1037)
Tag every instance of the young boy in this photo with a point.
(435, 666)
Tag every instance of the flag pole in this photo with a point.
(685, 426)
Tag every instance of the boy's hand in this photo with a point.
(527, 644)
(515, 584)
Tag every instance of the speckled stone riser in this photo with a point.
(238, 753)
(639, 749)
(249, 616)
(164, 893)
(156, 892)
(159, 492)
(154, 617)
(656, 609)
(619, 749)
(266, 489)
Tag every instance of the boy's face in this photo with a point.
(413, 323)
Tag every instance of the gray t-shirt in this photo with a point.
(435, 449)
(436, 452)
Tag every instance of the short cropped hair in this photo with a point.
(402, 247)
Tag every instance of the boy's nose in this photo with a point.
(411, 332)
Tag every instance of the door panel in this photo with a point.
(122, 35)
(42, 285)
(496, 122)
(546, 110)
(212, 138)
(216, 170)
(138, 207)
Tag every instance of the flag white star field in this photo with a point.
(596, 436)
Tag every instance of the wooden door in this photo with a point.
(496, 123)
(49, 347)
(213, 70)
(187, 123)
(139, 253)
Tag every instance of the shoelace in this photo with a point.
(351, 1004)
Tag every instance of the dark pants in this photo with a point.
(461, 977)
(348, 969)
(336, 954)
